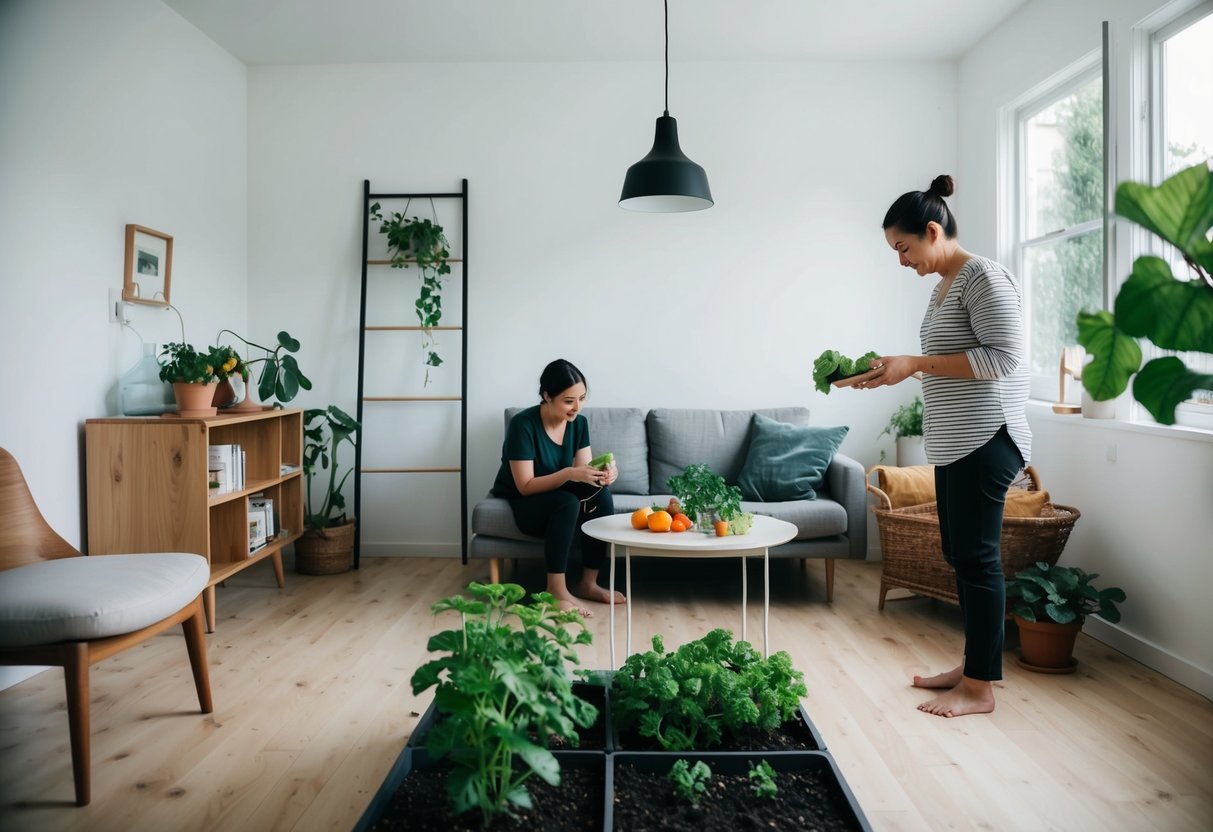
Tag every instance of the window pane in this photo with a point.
(1066, 277)
(1187, 96)
(1063, 157)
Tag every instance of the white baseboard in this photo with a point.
(410, 550)
(1152, 656)
(10, 676)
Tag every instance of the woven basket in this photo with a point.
(913, 553)
(325, 551)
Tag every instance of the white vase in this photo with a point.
(1092, 409)
(911, 450)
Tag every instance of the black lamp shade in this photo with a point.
(665, 181)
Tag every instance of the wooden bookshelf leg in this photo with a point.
(494, 570)
(75, 678)
(195, 644)
(279, 575)
(829, 580)
(208, 602)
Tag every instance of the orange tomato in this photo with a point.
(677, 525)
(686, 521)
(722, 528)
(660, 521)
(640, 518)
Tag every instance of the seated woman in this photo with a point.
(546, 477)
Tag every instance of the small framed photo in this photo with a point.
(149, 265)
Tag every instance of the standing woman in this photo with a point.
(551, 488)
(975, 388)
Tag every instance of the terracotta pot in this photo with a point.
(325, 551)
(224, 394)
(1047, 647)
(194, 400)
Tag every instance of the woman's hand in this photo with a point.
(612, 473)
(587, 475)
(888, 370)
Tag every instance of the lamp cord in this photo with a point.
(667, 56)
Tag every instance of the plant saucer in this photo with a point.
(1054, 670)
(848, 381)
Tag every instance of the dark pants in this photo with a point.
(971, 493)
(557, 517)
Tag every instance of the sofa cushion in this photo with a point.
(812, 518)
(787, 462)
(719, 438)
(619, 430)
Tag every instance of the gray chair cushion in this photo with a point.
(812, 518)
(719, 438)
(82, 598)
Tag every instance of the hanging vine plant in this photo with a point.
(413, 241)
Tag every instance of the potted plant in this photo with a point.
(194, 375)
(280, 376)
(1049, 605)
(421, 242)
(327, 544)
(705, 496)
(1171, 312)
(906, 427)
(502, 688)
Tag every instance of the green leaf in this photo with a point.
(1116, 356)
(1174, 314)
(1164, 383)
(1180, 210)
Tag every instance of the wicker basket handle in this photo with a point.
(880, 495)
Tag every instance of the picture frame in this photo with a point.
(149, 266)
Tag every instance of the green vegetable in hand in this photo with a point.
(832, 365)
(602, 461)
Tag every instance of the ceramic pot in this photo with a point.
(911, 450)
(1047, 647)
(194, 400)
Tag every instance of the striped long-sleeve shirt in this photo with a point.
(982, 316)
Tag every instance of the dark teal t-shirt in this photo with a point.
(525, 438)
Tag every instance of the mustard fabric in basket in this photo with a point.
(915, 485)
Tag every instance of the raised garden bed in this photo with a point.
(799, 734)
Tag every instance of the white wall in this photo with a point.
(110, 114)
(1145, 523)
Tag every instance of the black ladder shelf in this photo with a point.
(363, 329)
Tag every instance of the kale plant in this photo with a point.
(498, 687)
(832, 365)
(764, 779)
(704, 691)
(691, 782)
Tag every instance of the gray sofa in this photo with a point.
(651, 447)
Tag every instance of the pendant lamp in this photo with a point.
(666, 181)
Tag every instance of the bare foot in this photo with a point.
(570, 603)
(971, 696)
(594, 592)
(948, 679)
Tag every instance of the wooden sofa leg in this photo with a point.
(208, 602)
(829, 580)
(195, 644)
(75, 678)
(884, 590)
(494, 570)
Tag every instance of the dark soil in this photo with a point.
(420, 805)
(807, 800)
(791, 736)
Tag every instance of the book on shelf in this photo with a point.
(225, 466)
(287, 468)
(257, 537)
(260, 502)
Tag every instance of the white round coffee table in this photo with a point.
(764, 533)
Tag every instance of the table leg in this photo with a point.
(766, 604)
(611, 614)
(627, 572)
(744, 593)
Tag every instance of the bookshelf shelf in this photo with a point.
(146, 479)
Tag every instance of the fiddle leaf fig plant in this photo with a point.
(280, 375)
(1174, 313)
(413, 241)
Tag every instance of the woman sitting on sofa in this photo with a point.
(552, 490)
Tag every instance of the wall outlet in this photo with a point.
(119, 309)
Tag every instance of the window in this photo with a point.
(1181, 135)
(1057, 234)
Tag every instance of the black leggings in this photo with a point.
(557, 517)
(971, 494)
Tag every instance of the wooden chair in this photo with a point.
(58, 607)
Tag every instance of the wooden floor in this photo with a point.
(312, 706)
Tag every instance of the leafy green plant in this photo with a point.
(497, 686)
(690, 782)
(700, 491)
(906, 420)
(280, 377)
(704, 691)
(832, 365)
(1172, 312)
(1061, 594)
(422, 242)
(183, 363)
(324, 432)
(763, 777)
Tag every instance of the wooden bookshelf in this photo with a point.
(146, 479)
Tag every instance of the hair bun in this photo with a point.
(942, 185)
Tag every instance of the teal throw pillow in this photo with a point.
(787, 462)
